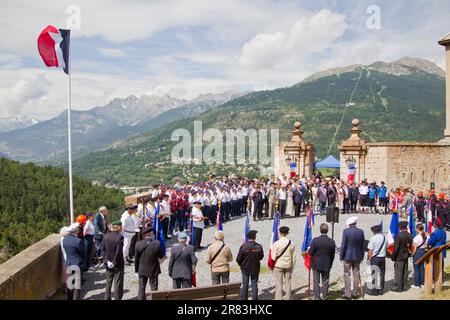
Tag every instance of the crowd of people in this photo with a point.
(184, 210)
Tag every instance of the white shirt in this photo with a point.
(197, 217)
(363, 190)
(375, 245)
(164, 208)
(418, 241)
(89, 227)
(128, 225)
(213, 200)
(281, 194)
(245, 191)
(150, 211)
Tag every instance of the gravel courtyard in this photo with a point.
(93, 289)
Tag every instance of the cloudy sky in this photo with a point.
(188, 47)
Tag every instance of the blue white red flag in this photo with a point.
(54, 46)
(393, 231)
(411, 221)
(219, 222)
(246, 228)
(159, 233)
(307, 238)
(274, 238)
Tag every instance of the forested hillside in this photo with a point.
(34, 202)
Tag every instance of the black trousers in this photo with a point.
(133, 245)
(318, 277)
(143, 284)
(401, 275)
(420, 211)
(346, 208)
(182, 283)
(198, 237)
(353, 203)
(283, 208)
(214, 209)
(115, 277)
(165, 227)
(257, 210)
(220, 277)
(297, 208)
(244, 203)
(378, 279)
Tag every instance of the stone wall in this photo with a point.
(33, 274)
(409, 164)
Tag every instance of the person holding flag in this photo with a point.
(249, 259)
(158, 229)
(321, 252)
(274, 238)
(393, 231)
(283, 254)
(402, 245)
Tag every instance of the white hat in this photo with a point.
(352, 220)
(73, 227)
(64, 231)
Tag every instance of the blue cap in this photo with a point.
(182, 236)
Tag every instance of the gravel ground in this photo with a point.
(234, 233)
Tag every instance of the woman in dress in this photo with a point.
(290, 202)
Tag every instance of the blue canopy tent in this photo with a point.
(329, 162)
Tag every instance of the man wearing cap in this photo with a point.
(402, 244)
(219, 257)
(112, 251)
(249, 259)
(351, 254)
(128, 230)
(182, 263)
(438, 238)
(146, 262)
(322, 252)
(75, 255)
(283, 253)
(376, 256)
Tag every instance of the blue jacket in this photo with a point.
(75, 251)
(438, 238)
(373, 191)
(382, 192)
(98, 226)
(352, 245)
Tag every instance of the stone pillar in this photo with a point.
(446, 42)
(354, 149)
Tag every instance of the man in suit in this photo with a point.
(331, 194)
(271, 197)
(74, 256)
(322, 196)
(182, 263)
(322, 253)
(249, 259)
(257, 203)
(400, 256)
(354, 192)
(352, 253)
(146, 262)
(112, 251)
(346, 202)
(297, 200)
(100, 229)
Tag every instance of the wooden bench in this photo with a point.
(224, 291)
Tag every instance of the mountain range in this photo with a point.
(13, 123)
(100, 127)
(402, 100)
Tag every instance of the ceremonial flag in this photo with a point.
(276, 222)
(307, 239)
(393, 230)
(53, 46)
(159, 234)
(429, 217)
(246, 228)
(411, 221)
(219, 222)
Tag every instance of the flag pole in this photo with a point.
(69, 136)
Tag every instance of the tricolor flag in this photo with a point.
(393, 230)
(159, 234)
(246, 228)
(411, 221)
(307, 238)
(53, 46)
(429, 217)
(219, 222)
(274, 238)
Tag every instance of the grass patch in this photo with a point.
(264, 269)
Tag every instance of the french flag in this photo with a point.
(53, 46)
(219, 222)
(246, 228)
(307, 238)
(393, 231)
(159, 233)
(276, 223)
(411, 221)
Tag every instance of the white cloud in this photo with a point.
(112, 52)
(308, 35)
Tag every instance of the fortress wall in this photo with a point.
(33, 274)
